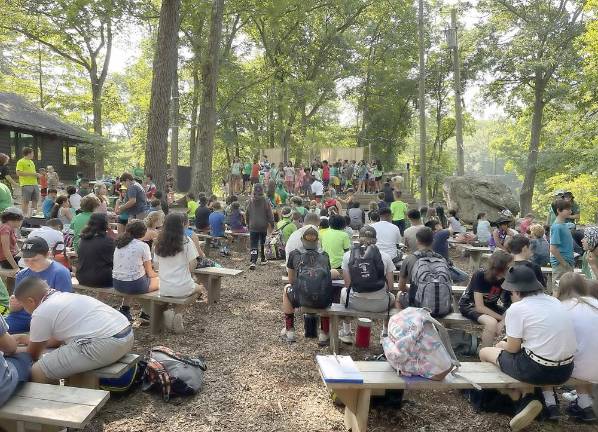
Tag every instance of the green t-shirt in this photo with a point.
(247, 168)
(335, 243)
(289, 228)
(77, 224)
(27, 166)
(3, 295)
(5, 197)
(191, 207)
(301, 210)
(398, 209)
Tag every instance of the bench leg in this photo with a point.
(22, 426)
(213, 287)
(157, 317)
(474, 260)
(84, 380)
(357, 408)
(334, 341)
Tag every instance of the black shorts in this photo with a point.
(468, 310)
(245, 177)
(293, 297)
(521, 367)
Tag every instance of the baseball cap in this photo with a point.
(521, 278)
(310, 238)
(34, 246)
(367, 232)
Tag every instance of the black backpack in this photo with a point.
(366, 269)
(313, 283)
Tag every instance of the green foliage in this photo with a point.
(583, 186)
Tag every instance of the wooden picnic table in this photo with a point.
(475, 255)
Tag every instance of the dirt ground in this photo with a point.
(257, 382)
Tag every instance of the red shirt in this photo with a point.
(326, 172)
(6, 229)
(255, 170)
(43, 181)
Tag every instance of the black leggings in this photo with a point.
(255, 239)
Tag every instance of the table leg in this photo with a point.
(214, 284)
(157, 317)
(334, 341)
(84, 380)
(357, 408)
(474, 259)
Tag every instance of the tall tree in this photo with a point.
(202, 164)
(529, 46)
(163, 76)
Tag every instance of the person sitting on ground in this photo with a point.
(307, 258)
(36, 255)
(501, 233)
(539, 245)
(175, 258)
(259, 219)
(519, 247)
(217, 228)
(356, 215)
(202, 215)
(12, 219)
(52, 234)
(482, 229)
(582, 308)
(132, 271)
(399, 209)
(479, 302)
(285, 224)
(441, 236)
(88, 334)
(96, 253)
(335, 243)
(294, 241)
(415, 220)
(89, 204)
(48, 203)
(388, 235)
(590, 257)
(561, 241)
(454, 223)
(153, 222)
(15, 368)
(539, 346)
(369, 294)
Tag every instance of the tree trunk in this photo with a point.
(157, 130)
(175, 119)
(194, 109)
(202, 164)
(98, 156)
(527, 189)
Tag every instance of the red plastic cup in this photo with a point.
(325, 324)
(363, 332)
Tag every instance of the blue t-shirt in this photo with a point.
(440, 243)
(47, 206)
(560, 236)
(8, 375)
(56, 275)
(217, 224)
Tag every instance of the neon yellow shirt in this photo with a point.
(191, 207)
(398, 209)
(335, 243)
(27, 166)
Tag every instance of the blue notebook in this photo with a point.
(339, 369)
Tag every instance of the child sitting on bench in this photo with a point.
(539, 347)
(88, 333)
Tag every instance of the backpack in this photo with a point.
(418, 345)
(432, 279)
(313, 283)
(366, 269)
(274, 246)
(173, 373)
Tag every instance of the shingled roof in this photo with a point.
(17, 112)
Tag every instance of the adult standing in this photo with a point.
(136, 205)
(235, 176)
(4, 176)
(259, 217)
(28, 181)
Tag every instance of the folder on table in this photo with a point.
(339, 369)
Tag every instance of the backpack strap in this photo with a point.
(156, 373)
(181, 357)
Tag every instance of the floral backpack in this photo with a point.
(417, 344)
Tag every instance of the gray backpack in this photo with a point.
(431, 277)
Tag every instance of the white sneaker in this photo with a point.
(323, 339)
(288, 335)
(168, 319)
(263, 262)
(177, 324)
(345, 336)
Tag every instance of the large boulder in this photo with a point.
(470, 195)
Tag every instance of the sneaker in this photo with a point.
(345, 336)
(177, 324)
(528, 409)
(553, 413)
(144, 316)
(126, 311)
(585, 415)
(252, 266)
(168, 319)
(264, 262)
(570, 396)
(288, 335)
(323, 339)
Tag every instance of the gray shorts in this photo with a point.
(84, 355)
(30, 193)
(367, 305)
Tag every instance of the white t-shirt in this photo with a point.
(75, 200)
(294, 241)
(376, 295)
(409, 234)
(544, 326)
(68, 316)
(585, 323)
(128, 261)
(317, 188)
(455, 225)
(289, 173)
(483, 231)
(50, 235)
(175, 278)
(388, 236)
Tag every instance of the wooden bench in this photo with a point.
(46, 407)
(380, 376)
(158, 303)
(243, 238)
(337, 311)
(91, 379)
(211, 278)
(547, 271)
